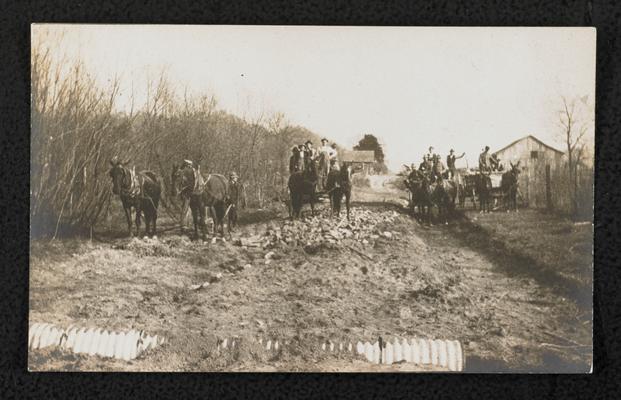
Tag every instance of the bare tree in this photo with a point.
(574, 126)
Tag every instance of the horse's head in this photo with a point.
(119, 174)
(345, 172)
(515, 169)
(182, 178)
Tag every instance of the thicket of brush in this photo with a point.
(76, 131)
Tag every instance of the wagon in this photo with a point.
(467, 184)
(496, 193)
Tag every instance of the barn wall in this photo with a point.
(532, 180)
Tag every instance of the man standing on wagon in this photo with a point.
(450, 163)
(485, 161)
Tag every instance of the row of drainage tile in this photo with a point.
(92, 341)
(447, 354)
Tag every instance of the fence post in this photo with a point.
(548, 188)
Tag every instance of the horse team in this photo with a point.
(442, 193)
(140, 192)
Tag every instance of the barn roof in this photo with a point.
(526, 137)
(363, 156)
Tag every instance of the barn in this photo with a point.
(360, 158)
(537, 161)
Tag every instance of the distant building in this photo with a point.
(357, 158)
(534, 157)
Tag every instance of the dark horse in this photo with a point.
(509, 185)
(339, 185)
(418, 184)
(442, 194)
(484, 191)
(303, 185)
(211, 192)
(140, 191)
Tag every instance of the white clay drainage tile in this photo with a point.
(92, 341)
(444, 354)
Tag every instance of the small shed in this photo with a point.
(536, 159)
(360, 158)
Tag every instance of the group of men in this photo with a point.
(489, 162)
(433, 166)
(303, 154)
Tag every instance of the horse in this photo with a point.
(442, 194)
(338, 185)
(140, 191)
(211, 192)
(416, 183)
(484, 191)
(509, 186)
(301, 184)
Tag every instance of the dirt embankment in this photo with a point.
(380, 274)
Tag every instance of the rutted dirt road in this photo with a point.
(381, 274)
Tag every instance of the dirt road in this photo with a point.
(381, 274)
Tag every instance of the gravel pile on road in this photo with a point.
(364, 226)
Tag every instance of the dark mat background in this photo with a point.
(17, 382)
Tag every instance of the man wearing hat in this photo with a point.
(430, 154)
(438, 168)
(426, 165)
(237, 196)
(324, 162)
(450, 162)
(334, 154)
(485, 161)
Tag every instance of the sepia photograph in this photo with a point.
(222, 198)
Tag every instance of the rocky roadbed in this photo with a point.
(304, 282)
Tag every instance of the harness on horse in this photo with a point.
(135, 186)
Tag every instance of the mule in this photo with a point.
(201, 193)
(338, 185)
(509, 187)
(302, 185)
(140, 191)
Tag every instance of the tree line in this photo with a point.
(76, 130)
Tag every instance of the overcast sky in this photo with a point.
(460, 88)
